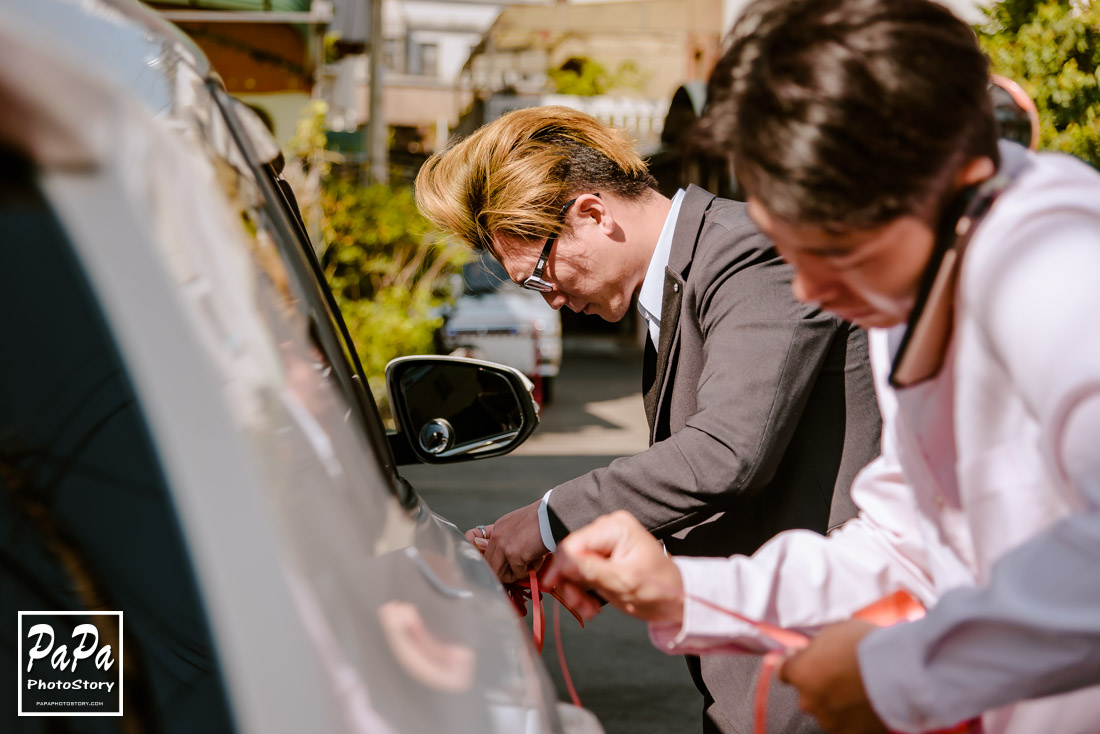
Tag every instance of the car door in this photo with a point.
(271, 557)
(455, 648)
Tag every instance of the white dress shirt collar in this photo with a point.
(651, 294)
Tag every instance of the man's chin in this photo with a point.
(613, 318)
(867, 318)
(877, 321)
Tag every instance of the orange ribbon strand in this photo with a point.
(519, 592)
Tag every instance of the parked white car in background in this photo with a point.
(186, 434)
(495, 319)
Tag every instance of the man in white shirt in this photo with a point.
(761, 410)
(985, 504)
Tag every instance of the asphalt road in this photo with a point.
(597, 416)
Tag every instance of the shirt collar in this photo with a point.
(652, 292)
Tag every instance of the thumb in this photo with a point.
(566, 565)
(784, 671)
(584, 556)
(598, 572)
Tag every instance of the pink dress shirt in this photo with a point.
(985, 503)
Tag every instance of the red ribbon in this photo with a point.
(519, 592)
(898, 607)
(890, 610)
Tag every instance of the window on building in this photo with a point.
(393, 55)
(426, 59)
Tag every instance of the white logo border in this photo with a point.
(19, 664)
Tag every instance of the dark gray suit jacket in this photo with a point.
(761, 412)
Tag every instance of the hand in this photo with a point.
(514, 545)
(620, 560)
(829, 684)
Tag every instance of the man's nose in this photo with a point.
(808, 288)
(555, 299)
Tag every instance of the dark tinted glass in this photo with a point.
(485, 275)
(86, 520)
(478, 403)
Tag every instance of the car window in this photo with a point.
(86, 519)
(273, 217)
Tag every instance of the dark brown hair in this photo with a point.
(849, 112)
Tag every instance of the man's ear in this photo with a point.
(594, 210)
(974, 172)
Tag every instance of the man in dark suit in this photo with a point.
(761, 410)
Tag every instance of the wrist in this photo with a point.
(546, 533)
(672, 610)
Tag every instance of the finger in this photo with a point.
(788, 669)
(559, 568)
(612, 576)
(507, 575)
(806, 707)
(562, 570)
(546, 565)
(551, 572)
(497, 561)
(579, 600)
(479, 531)
(518, 569)
(481, 544)
(598, 539)
(601, 537)
(586, 610)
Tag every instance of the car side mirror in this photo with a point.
(450, 409)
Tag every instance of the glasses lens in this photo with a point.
(534, 281)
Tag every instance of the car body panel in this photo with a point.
(335, 604)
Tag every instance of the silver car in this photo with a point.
(186, 435)
(497, 320)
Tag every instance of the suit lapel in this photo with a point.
(689, 223)
(670, 317)
(650, 386)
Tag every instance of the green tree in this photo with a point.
(588, 78)
(389, 269)
(1052, 49)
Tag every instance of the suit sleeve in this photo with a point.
(802, 580)
(762, 354)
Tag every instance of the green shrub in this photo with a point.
(389, 269)
(1052, 49)
(586, 77)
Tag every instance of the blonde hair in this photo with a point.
(512, 176)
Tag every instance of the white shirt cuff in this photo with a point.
(544, 524)
(704, 627)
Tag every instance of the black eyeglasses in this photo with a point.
(534, 281)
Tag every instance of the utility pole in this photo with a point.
(377, 132)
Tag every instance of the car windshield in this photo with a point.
(485, 275)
